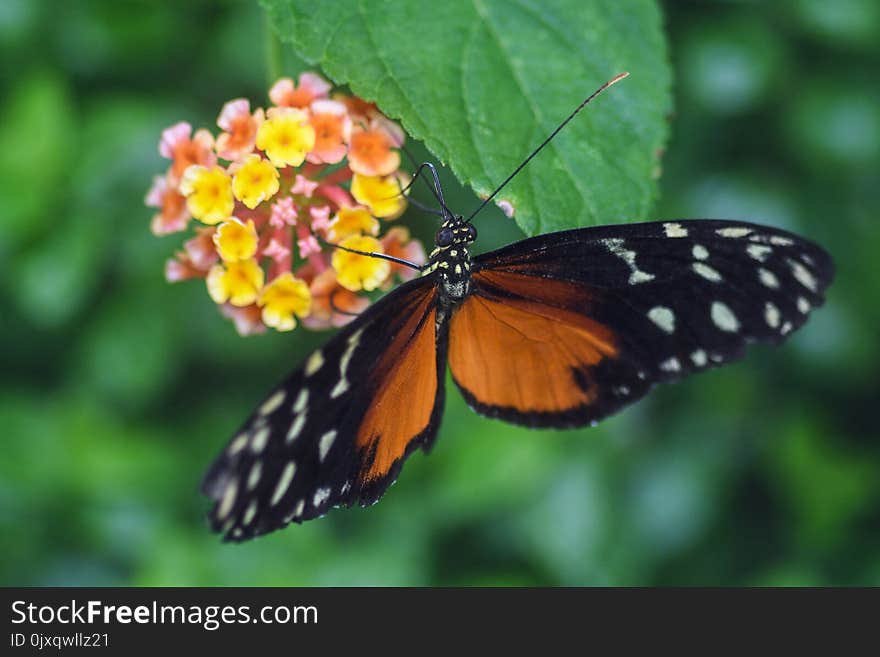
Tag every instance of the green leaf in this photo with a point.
(483, 82)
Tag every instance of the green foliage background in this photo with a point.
(116, 389)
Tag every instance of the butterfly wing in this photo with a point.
(566, 328)
(337, 430)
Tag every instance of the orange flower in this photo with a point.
(358, 108)
(332, 132)
(248, 320)
(181, 268)
(332, 304)
(285, 93)
(398, 243)
(176, 145)
(371, 153)
(173, 216)
(200, 249)
(240, 128)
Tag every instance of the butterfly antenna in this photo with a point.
(436, 189)
(616, 78)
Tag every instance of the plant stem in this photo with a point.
(273, 51)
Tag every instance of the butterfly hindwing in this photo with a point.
(591, 318)
(338, 429)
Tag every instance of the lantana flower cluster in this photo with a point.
(272, 191)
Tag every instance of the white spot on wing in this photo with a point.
(733, 231)
(250, 512)
(706, 272)
(301, 400)
(781, 241)
(768, 278)
(636, 276)
(771, 315)
(272, 403)
(258, 440)
(339, 388)
(723, 317)
(325, 443)
(758, 251)
(675, 230)
(670, 365)
(283, 483)
(700, 252)
(295, 428)
(254, 476)
(314, 363)
(342, 385)
(663, 317)
(699, 358)
(321, 496)
(785, 328)
(803, 305)
(228, 500)
(803, 275)
(237, 445)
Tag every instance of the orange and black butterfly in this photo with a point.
(560, 330)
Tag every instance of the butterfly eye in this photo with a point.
(472, 233)
(444, 237)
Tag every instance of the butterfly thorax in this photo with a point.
(451, 258)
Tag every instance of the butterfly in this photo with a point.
(558, 330)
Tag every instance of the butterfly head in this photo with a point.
(455, 232)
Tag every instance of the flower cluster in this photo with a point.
(272, 192)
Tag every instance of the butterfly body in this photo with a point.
(558, 330)
(451, 259)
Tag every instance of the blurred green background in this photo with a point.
(117, 389)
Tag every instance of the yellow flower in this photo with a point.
(286, 136)
(255, 181)
(208, 193)
(356, 272)
(236, 241)
(352, 221)
(283, 298)
(380, 193)
(238, 283)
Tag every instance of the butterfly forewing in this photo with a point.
(337, 430)
(619, 308)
